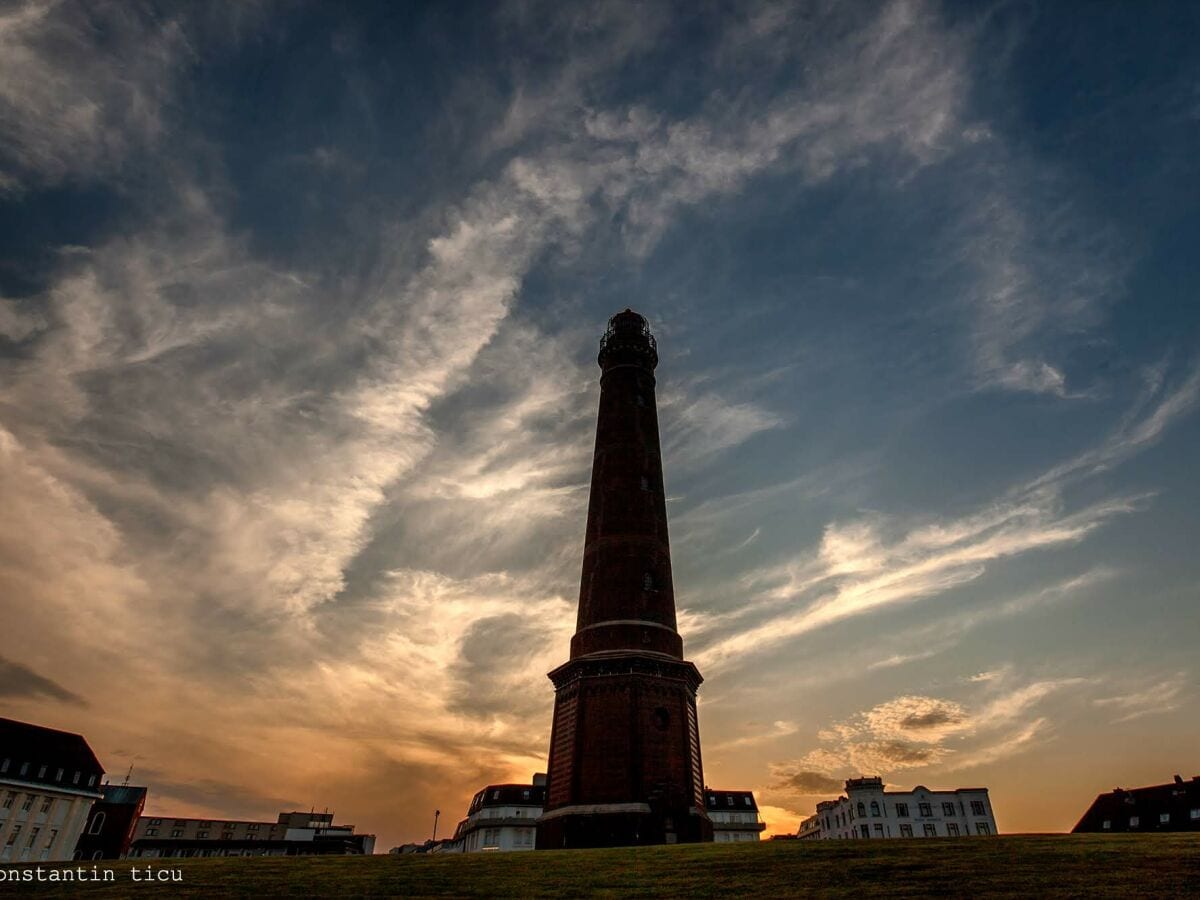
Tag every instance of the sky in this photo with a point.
(299, 308)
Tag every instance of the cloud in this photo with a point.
(1164, 696)
(17, 680)
(807, 782)
(918, 731)
(871, 564)
(82, 119)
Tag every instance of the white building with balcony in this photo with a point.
(48, 782)
(501, 818)
(868, 811)
(734, 815)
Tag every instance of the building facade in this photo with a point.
(294, 834)
(502, 818)
(734, 815)
(48, 782)
(1162, 807)
(111, 822)
(624, 764)
(868, 811)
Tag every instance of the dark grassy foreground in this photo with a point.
(1028, 866)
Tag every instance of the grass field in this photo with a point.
(1019, 865)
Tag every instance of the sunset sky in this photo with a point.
(299, 308)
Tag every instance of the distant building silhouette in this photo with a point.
(49, 780)
(868, 811)
(501, 819)
(111, 822)
(1161, 807)
(624, 762)
(294, 834)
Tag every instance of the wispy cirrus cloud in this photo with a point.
(1163, 696)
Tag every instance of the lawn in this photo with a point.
(1019, 865)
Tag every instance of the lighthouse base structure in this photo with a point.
(625, 763)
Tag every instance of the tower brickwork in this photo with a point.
(625, 762)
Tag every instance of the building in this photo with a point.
(734, 815)
(868, 811)
(625, 764)
(48, 782)
(502, 817)
(111, 822)
(295, 834)
(1161, 807)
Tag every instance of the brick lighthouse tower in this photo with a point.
(624, 746)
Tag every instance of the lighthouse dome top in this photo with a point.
(628, 341)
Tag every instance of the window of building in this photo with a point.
(1133, 821)
(947, 809)
(905, 831)
(930, 830)
(76, 777)
(253, 826)
(24, 769)
(10, 799)
(156, 821)
(201, 834)
(50, 840)
(1107, 824)
(46, 804)
(204, 824)
(58, 775)
(640, 400)
(729, 799)
(176, 832)
(151, 832)
(12, 835)
(952, 829)
(874, 807)
(747, 800)
(982, 828)
(227, 835)
(33, 833)
(645, 483)
(495, 795)
(648, 583)
(227, 824)
(902, 810)
(27, 804)
(864, 830)
(1195, 813)
(878, 830)
(91, 781)
(862, 809)
(525, 794)
(977, 808)
(97, 823)
(1164, 818)
(5, 764)
(41, 772)
(925, 809)
(181, 823)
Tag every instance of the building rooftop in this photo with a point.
(47, 756)
(715, 799)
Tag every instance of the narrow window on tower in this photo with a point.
(641, 400)
(645, 483)
(648, 583)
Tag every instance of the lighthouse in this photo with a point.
(624, 765)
